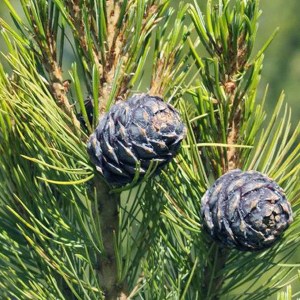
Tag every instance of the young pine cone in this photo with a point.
(245, 210)
(140, 130)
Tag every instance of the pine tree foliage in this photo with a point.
(65, 234)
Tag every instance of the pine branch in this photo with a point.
(65, 234)
(45, 48)
(229, 42)
(108, 206)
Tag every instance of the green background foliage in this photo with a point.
(176, 250)
(282, 60)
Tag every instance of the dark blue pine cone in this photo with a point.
(140, 130)
(245, 210)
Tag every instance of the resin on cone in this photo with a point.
(138, 131)
(245, 210)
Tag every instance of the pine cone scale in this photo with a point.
(125, 154)
(112, 168)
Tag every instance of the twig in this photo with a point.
(115, 42)
(108, 205)
(48, 54)
(137, 287)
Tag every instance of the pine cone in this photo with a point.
(245, 210)
(142, 129)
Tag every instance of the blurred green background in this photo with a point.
(282, 60)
